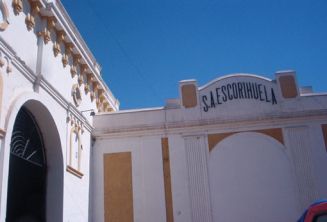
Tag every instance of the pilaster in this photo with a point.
(196, 158)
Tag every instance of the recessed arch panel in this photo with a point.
(251, 179)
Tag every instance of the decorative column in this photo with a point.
(196, 157)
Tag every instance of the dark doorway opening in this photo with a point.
(27, 171)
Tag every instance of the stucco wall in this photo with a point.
(266, 162)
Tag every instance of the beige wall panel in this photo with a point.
(167, 180)
(288, 86)
(118, 192)
(275, 133)
(189, 96)
(214, 139)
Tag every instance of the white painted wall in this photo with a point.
(179, 179)
(251, 179)
(250, 176)
(147, 177)
(20, 47)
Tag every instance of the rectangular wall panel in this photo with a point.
(167, 180)
(118, 191)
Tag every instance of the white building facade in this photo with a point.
(50, 83)
(240, 148)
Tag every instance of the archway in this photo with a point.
(52, 181)
(251, 179)
(27, 171)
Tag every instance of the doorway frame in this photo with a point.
(37, 106)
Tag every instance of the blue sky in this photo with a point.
(145, 47)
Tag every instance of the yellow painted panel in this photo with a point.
(118, 190)
(167, 180)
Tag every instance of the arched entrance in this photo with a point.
(26, 199)
(51, 181)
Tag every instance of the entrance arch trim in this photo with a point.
(15, 105)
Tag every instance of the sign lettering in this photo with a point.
(236, 91)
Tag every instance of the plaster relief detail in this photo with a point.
(30, 22)
(4, 14)
(56, 49)
(46, 35)
(75, 152)
(76, 93)
(18, 6)
(64, 60)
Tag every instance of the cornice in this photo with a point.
(67, 36)
(46, 86)
(239, 124)
(71, 30)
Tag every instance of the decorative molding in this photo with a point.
(73, 71)
(72, 120)
(98, 104)
(101, 97)
(2, 61)
(74, 171)
(80, 80)
(76, 93)
(83, 68)
(105, 106)
(56, 49)
(69, 47)
(18, 6)
(56, 9)
(86, 88)
(2, 133)
(95, 86)
(9, 68)
(35, 7)
(4, 10)
(101, 92)
(76, 59)
(64, 60)
(46, 35)
(11, 57)
(214, 125)
(89, 78)
(60, 36)
(76, 129)
(92, 96)
(51, 22)
(29, 21)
